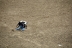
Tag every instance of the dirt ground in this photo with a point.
(49, 23)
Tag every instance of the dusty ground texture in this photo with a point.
(49, 23)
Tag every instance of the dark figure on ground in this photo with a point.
(21, 25)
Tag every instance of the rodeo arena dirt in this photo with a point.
(49, 23)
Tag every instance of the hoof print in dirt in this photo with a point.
(13, 30)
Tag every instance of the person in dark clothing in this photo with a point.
(21, 25)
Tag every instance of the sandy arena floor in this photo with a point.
(49, 23)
